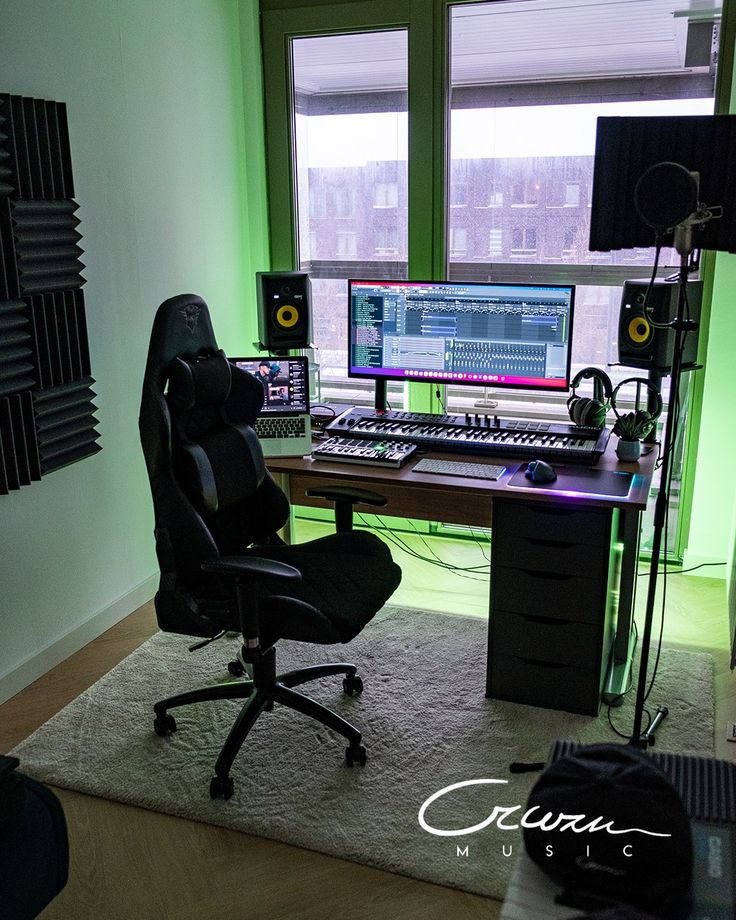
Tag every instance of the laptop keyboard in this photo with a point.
(290, 426)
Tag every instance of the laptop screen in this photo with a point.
(285, 381)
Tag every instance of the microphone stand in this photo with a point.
(680, 325)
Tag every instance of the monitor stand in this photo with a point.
(379, 402)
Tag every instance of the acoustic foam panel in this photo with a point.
(46, 410)
(16, 351)
(65, 424)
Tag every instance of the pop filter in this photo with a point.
(665, 195)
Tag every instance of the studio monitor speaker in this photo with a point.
(284, 310)
(643, 345)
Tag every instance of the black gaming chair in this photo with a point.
(217, 517)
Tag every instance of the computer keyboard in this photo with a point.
(490, 471)
(290, 426)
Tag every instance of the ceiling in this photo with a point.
(514, 41)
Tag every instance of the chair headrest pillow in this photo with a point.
(201, 380)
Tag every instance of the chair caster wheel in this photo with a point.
(164, 725)
(221, 787)
(235, 668)
(352, 685)
(355, 754)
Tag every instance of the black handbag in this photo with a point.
(34, 845)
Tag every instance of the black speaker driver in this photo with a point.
(286, 316)
(665, 195)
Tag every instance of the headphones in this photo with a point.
(590, 412)
(645, 416)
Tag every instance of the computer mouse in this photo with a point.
(541, 472)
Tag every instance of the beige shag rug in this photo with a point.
(425, 721)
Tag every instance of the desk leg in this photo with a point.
(282, 480)
(619, 675)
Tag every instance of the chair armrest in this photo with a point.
(251, 565)
(347, 493)
(344, 498)
(246, 571)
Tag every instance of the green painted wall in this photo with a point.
(714, 492)
(165, 115)
(714, 488)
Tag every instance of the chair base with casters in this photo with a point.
(264, 687)
(260, 693)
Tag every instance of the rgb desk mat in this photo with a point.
(578, 479)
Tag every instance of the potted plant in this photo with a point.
(630, 428)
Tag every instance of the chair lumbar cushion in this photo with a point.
(222, 468)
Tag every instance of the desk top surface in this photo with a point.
(563, 489)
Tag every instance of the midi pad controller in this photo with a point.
(367, 451)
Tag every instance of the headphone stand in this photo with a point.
(655, 378)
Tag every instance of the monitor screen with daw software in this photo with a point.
(486, 334)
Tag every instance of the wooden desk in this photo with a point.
(574, 553)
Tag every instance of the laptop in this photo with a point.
(284, 426)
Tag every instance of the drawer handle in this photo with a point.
(535, 541)
(557, 512)
(543, 664)
(544, 621)
(547, 576)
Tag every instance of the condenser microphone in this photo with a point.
(683, 239)
(665, 196)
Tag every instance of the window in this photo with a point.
(459, 195)
(521, 136)
(458, 240)
(317, 201)
(524, 192)
(495, 242)
(495, 194)
(563, 194)
(504, 192)
(387, 240)
(386, 195)
(523, 241)
(351, 171)
(568, 240)
(524, 121)
(487, 193)
(344, 202)
(572, 195)
(346, 245)
(527, 145)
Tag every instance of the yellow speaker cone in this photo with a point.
(287, 316)
(639, 330)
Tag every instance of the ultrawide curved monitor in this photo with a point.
(484, 334)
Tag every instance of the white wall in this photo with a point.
(155, 97)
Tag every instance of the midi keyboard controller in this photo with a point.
(483, 435)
